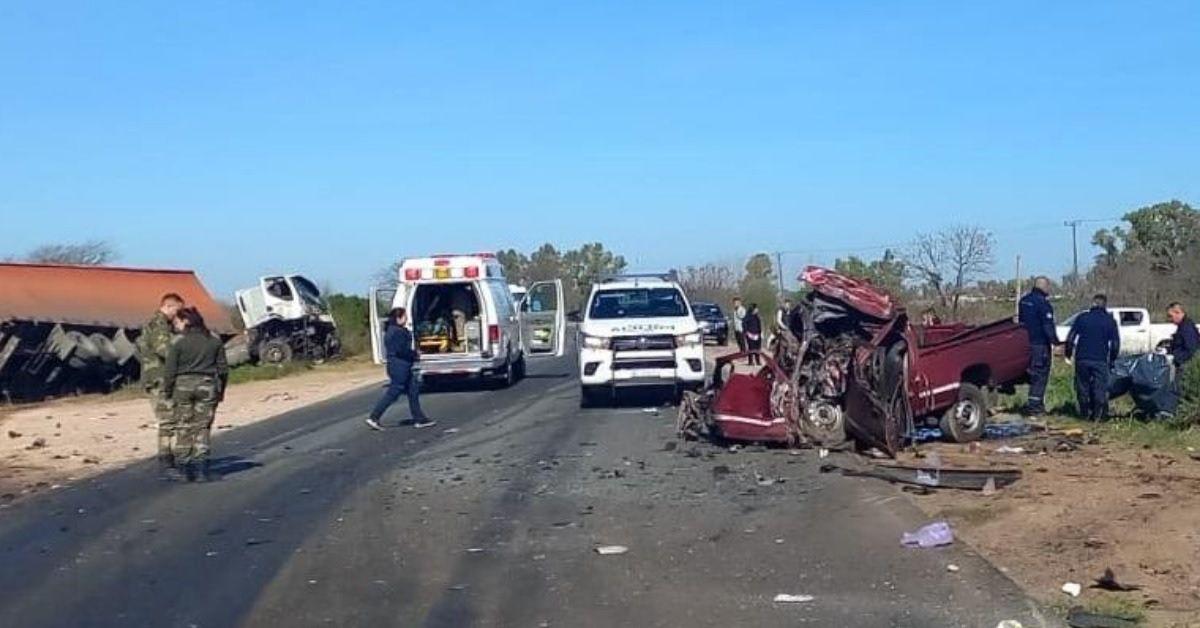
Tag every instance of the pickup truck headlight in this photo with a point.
(687, 340)
(594, 342)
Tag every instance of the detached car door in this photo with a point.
(380, 303)
(543, 320)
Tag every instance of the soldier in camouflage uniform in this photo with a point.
(152, 345)
(194, 378)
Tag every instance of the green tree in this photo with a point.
(887, 272)
(1164, 232)
(546, 263)
(353, 321)
(90, 253)
(587, 264)
(515, 264)
(759, 266)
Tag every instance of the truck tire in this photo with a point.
(508, 375)
(591, 396)
(965, 421)
(274, 351)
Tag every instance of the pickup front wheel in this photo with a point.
(964, 421)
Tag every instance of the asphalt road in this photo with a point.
(320, 521)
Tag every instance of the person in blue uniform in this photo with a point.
(1036, 315)
(401, 358)
(1095, 343)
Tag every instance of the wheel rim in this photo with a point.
(967, 415)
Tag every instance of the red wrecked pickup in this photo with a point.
(856, 367)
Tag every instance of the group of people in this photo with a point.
(748, 326)
(184, 372)
(1094, 343)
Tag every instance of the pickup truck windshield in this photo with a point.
(707, 310)
(637, 303)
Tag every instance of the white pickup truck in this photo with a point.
(1138, 334)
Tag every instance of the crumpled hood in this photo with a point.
(859, 295)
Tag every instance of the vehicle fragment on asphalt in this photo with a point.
(936, 534)
(788, 598)
(611, 550)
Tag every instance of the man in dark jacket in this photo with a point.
(1036, 315)
(1186, 340)
(1095, 343)
(398, 348)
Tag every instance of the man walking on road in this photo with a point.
(152, 346)
(1095, 343)
(1186, 340)
(401, 357)
(1036, 315)
(739, 324)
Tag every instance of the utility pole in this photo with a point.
(1074, 225)
(779, 271)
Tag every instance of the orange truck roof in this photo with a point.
(105, 296)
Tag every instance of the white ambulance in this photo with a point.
(465, 321)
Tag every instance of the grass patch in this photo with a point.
(261, 372)
(1104, 604)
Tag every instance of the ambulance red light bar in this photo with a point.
(471, 272)
(412, 274)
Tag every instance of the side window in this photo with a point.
(278, 288)
(1131, 319)
(502, 298)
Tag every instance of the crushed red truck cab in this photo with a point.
(859, 368)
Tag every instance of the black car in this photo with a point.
(713, 324)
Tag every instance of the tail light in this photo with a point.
(412, 274)
(471, 272)
(494, 334)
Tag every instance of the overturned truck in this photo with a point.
(852, 365)
(68, 329)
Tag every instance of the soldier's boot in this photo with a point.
(167, 471)
(205, 473)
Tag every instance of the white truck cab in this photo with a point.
(465, 321)
(1138, 335)
(286, 317)
(638, 330)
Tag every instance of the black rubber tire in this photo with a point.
(522, 367)
(723, 341)
(955, 424)
(274, 351)
(592, 396)
(507, 376)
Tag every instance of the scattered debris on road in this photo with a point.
(1072, 589)
(788, 598)
(1079, 618)
(1108, 582)
(611, 550)
(935, 534)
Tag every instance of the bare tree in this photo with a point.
(710, 282)
(90, 253)
(948, 261)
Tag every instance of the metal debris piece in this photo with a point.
(788, 598)
(611, 550)
(1072, 589)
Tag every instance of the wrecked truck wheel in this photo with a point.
(964, 421)
(275, 351)
(825, 423)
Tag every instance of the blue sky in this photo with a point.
(333, 139)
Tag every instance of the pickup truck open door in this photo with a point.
(380, 303)
(543, 320)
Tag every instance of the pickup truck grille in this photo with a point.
(643, 343)
(643, 364)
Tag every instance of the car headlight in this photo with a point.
(594, 342)
(687, 339)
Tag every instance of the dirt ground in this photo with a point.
(1076, 513)
(45, 445)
